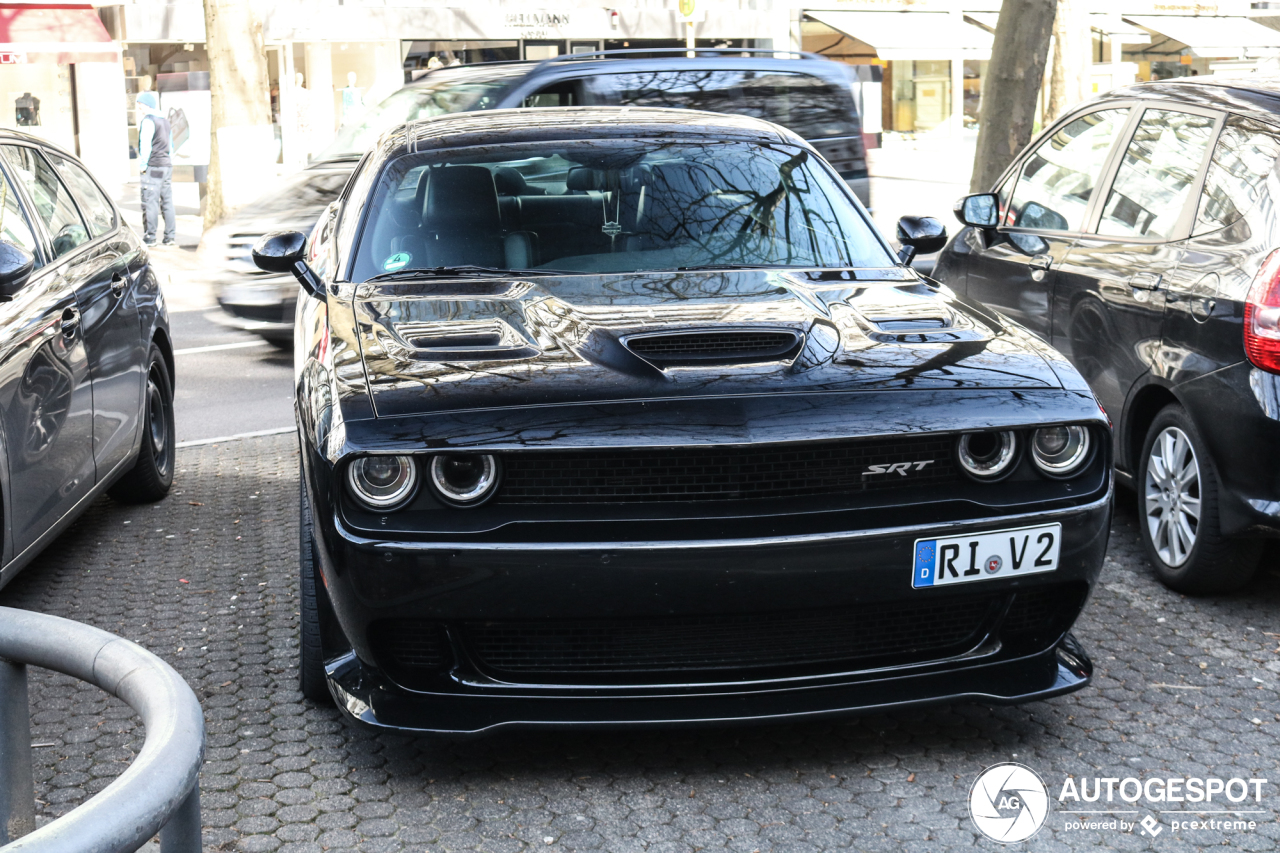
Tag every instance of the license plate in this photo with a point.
(986, 556)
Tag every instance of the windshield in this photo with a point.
(448, 95)
(614, 206)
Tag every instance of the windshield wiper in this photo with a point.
(462, 270)
(714, 267)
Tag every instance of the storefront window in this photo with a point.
(921, 94)
(975, 71)
(36, 98)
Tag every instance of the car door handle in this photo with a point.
(1145, 280)
(1040, 262)
(70, 321)
(117, 285)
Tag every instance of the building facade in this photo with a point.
(73, 72)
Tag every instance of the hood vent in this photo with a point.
(720, 346)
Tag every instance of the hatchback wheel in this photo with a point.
(1178, 501)
(152, 473)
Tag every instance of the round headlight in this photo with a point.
(1060, 451)
(987, 455)
(383, 482)
(464, 479)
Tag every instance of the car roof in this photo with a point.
(1253, 95)
(487, 127)
(586, 65)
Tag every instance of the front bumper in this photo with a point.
(457, 585)
(264, 305)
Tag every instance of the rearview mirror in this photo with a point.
(285, 252)
(16, 264)
(981, 210)
(920, 235)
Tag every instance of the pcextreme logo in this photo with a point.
(1008, 802)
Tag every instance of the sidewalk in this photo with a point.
(919, 178)
(186, 286)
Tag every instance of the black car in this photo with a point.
(1138, 236)
(809, 95)
(694, 446)
(86, 365)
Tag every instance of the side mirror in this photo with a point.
(16, 264)
(1036, 215)
(920, 235)
(979, 211)
(285, 251)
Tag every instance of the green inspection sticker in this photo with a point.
(398, 261)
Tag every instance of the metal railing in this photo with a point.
(159, 792)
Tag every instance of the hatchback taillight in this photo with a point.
(1262, 316)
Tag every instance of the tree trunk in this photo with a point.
(1014, 77)
(1071, 60)
(238, 83)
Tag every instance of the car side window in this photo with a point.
(93, 204)
(1157, 174)
(566, 93)
(14, 227)
(808, 106)
(1055, 183)
(1243, 164)
(51, 198)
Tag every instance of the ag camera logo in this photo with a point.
(1008, 802)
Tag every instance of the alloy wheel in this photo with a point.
(1172, 496)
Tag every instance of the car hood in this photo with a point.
(448, 344)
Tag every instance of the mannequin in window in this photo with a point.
(302, 112)
(352, 99)
(27, 109)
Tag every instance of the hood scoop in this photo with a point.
(690, 347)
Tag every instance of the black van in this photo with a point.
(812, 96)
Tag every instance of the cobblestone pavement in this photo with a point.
(1185, 686)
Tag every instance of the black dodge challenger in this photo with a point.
(631, 417)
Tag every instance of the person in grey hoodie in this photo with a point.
(154, 157)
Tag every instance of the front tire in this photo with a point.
(1178, 509)
(152, 473)
(311, 677)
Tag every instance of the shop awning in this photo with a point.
(911, 35)
(1119, 31)
(1212, 36)
(61, 34)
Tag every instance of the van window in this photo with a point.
(1241, 172)
(808, 106)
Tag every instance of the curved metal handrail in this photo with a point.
(159, 792)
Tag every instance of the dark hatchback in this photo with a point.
(1139, 236)
(86, 364)
(809, 95)
(696, 448)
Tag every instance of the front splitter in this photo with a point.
(368, 698)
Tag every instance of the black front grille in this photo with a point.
(725, 473)
(799, 641)
(409, 647)
(714, 346)
(1038, 616)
